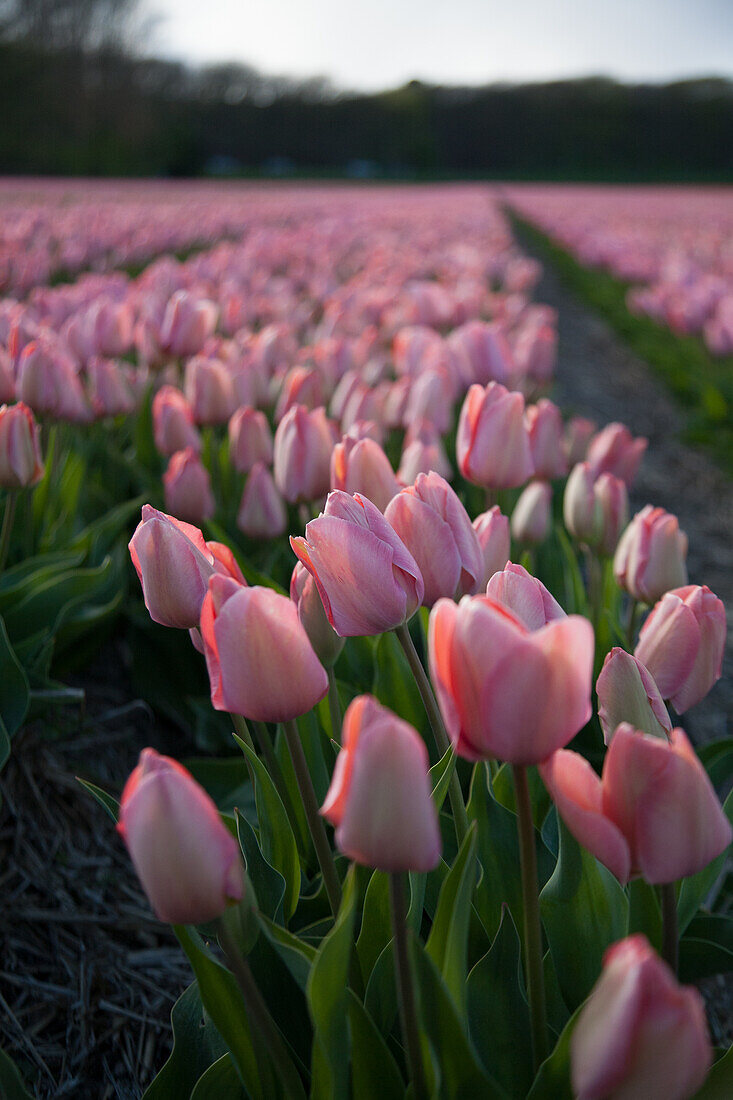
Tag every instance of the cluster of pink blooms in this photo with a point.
(676, 247)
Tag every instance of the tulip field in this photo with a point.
(415, 814)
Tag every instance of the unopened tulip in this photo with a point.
(187, 487)
(581, 508)
(615, 451)
(492, 445)
(525, 596)
(544, 424)
(188, 862)
(187, 323)
(650, 558)
(7, 378)
(301, 386)
(49, 384)
(250, 439)
(627, 693)
(110, 327)
(483, 351)
(431, 398)
(421, 458)
(304, 594)
(612, 495)
(361, 466)
(173, 426)
(532, 513)
(436, 529)
(20, 447)
(578, 434)
(367, 578)
(209, 390)
(640, 1034)
(260, 661)
(492, 529)
(682, 643)
(108, 390)
(653, 813)
(505, 691)
(262, 513)
(302, 454)
(379, 800)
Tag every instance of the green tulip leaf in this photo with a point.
(447, 944)
(696, 888)
(196, 1045)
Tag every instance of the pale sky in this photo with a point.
(382, 43)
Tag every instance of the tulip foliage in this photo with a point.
(462, 846)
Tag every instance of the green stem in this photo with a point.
(314, 819)
(670, 937)
(460, 818)
(405, 989)
(10, 504)
(240, 725)
(259, 1014)
(334, 706)
(631, 630)
(532, 928)
(595, 586)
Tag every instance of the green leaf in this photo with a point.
(502, 786)
(447, 944)
(268, 884)
(297, 955)
(498, 1013)
(376, 924)
(11, 1083)
(226, 780)
(276, 836)
(14, 688)
(219, 1082)
(327, 994)
(394, 685)
(701, 958)
(45, 604)
(696, 888)
(575, 600)
(441, 775)
(719, 1083)
(106, 801)
(374, 1072)
(196, 1044)
(584, 909)
(553, 1077)
(717, 759)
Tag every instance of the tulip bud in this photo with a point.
(544, 425)
(492, 528)
(7, 378)
(301, 386)
(20, 447)
(187, 487)
(436, 529)
(250, 439)
(581, 508)
(262, 513)
(525, 596)
(615, 451)
(324, 639)
(578, 434)
(187, 324)
(49, 384)
(532, 513)
(173, 427)
(483, 351)
(188, 862)
(627, 693)
(639, 1034)
(492, 445)
(421, 458)
(612, 495)
(209, 390)
(367, 579)
(682, 643)
(260, 661)
(302, 454)
(650, 557)
(431, 398)
(361, 466)
(379, 800)
(108, 390)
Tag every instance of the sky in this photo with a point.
(383, 43)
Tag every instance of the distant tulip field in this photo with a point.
(298, 443)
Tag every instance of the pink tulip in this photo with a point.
(209, 391)
(505, 691)
(483, 351)
(532, 513)
(420, 458)
(431, 398)
(361, 466)
(682, 643)
(188, 862)
(581, 508)
(436, 529)
(250, 439)
(544, 425)
(615, 451)
(109, 392)
(111, 328)
(613, 497)
(578, 434)
(640, 1034)
(187, 324)
(304, 594)
(262, 513)
(301, 386)
(20, 447)
(260, 661)
(650, 556)
(492, 446)
(7, 379)
(492, 528)
(653, 813)
(49, 384)
(302, 454)
(627, 693)
(379, 800)
(525, 596)
(173, 427)
(187, 487)
(367, 579)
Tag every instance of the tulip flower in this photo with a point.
(613, 497)
(187, 324)
(431, 398)
(483, 350)
(173, 427)
(436, 529)
(304, 594)
(581, 508)
(506, 691)
(578, 434)
(301, 386)
(302, 454)
(367, 578)
(639, 1034)
(653, 813)
(361, 466)
(492, 528)
(109, 392)
(492, 445)
(20, 447)
(525, 596)
(627, 693)
(262, 513)
(650, 558)
(250, 439)
(532, 514)
(209, 390)
(615, 451)
(379, 800)
(682, 643)
(187, 487)
(260, 661)
(544, 425)
(188, 862)
(49, 384)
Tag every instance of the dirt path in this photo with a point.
(598, 376)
